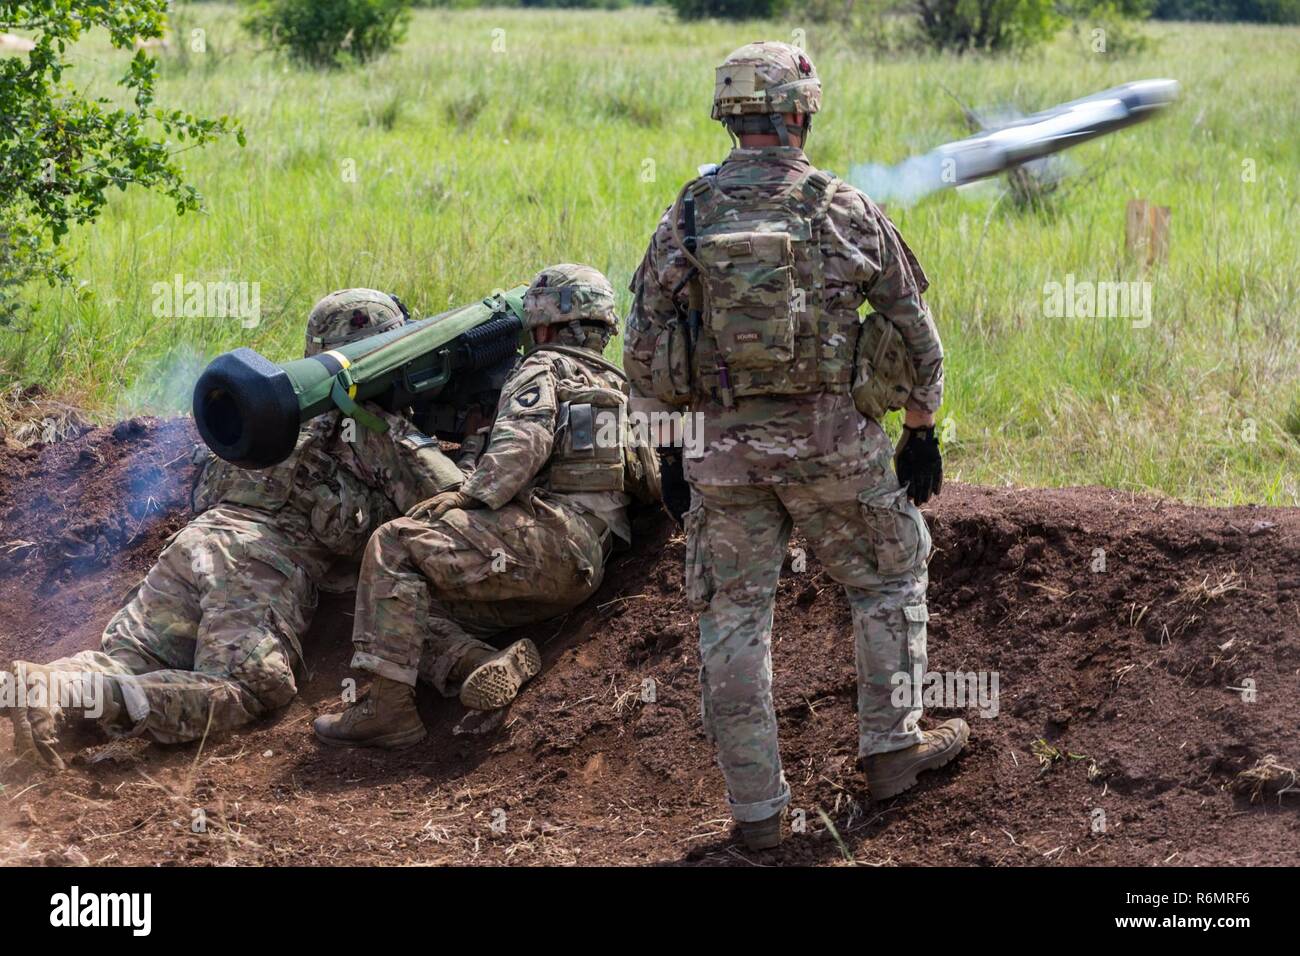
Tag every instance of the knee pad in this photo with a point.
(266, 673)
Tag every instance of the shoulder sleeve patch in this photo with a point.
(530, 392)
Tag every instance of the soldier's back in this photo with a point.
(815, 431)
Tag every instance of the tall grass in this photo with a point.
(477, 165)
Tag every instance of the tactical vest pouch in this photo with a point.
(343, 517)
(432, 469)
(670, 368)
(749, 282)
(641, 476)
(267, 489)
(883, 373)
(591, 440)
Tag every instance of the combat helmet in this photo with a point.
(351, 314)
(571, 296)
(759, 83)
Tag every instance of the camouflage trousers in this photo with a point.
(210, 639)
(870, 539)
(431, 591)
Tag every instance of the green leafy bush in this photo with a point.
(576, 4)
(326, 33)
(963, 25)
(727, 9)
(63, 150)
(1107, 28)
(1130, 9)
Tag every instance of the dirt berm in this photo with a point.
(1146, 709)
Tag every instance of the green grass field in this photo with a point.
(497, 141)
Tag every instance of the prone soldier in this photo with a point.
(211, 638)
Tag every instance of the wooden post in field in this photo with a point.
(1147, 231)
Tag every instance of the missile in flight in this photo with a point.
(1033, 137)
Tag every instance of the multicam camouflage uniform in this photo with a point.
(210, 639)
(789, 256)
(550, 512)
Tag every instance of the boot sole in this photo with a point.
(893, 786)
(496, 683)
(394, 741)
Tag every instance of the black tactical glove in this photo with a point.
(919, 464)
(676, 493)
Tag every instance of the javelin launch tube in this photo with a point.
(249, 410)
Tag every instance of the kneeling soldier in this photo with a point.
(525, 538)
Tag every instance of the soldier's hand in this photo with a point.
(919, 463)
(441, 503)
(675, 492)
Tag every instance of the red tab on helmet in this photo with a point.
(804, 66)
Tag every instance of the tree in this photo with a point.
(62, 151)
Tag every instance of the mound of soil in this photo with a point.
(81, 521)
(1147, 657)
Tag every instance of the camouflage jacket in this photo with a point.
(523, 438)
(341, 482)
(791, 437)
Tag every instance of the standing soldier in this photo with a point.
(524, 539)
(211, 638)
(746, 311)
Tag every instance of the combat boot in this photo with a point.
(762, 834)
(384, 717)
(890, 774)
(496, 682)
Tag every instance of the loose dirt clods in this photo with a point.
(1148, 662)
